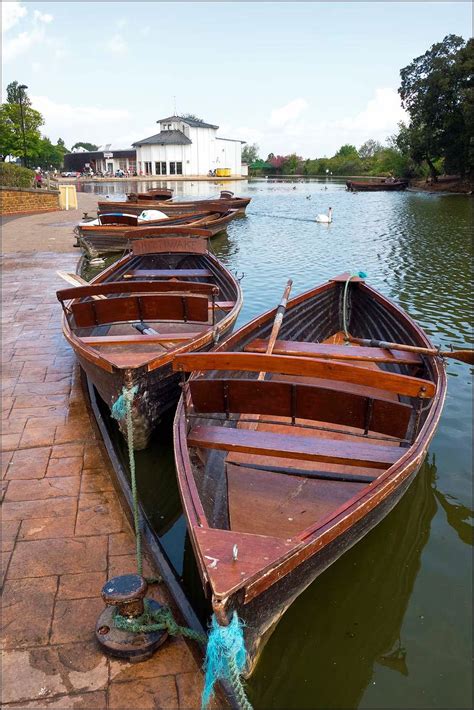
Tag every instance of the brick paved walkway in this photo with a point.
(63, 529)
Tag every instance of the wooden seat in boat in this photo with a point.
(344, 352)
(119, 287)
(167, 273)
(297, 447)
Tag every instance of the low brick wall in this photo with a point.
(22, 200)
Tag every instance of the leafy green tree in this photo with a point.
(369, 149)
(11, 134)
(250, 153)
(347, 151)
(48, 155)
(191, 117)
(435, 89)
(88, 146)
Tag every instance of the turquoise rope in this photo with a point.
(225, 660)
(121, 409)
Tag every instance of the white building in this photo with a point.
(188, 147)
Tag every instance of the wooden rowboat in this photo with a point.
(280, 477)
(376, 185)
(115, 230)
(171, 285)
(176, 208)
(160, 193)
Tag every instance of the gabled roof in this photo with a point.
(166, 138)
(189, 121)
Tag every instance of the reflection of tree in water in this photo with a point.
(323, 651)
(457, 514)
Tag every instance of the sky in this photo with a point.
(292, 77)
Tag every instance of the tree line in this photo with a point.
(437, 92)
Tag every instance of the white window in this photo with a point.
(148, 167)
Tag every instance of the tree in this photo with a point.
(369, 149)
(191, 117)
(88, 146)
(13, 117)
(435, 89)
(250, 153)
(48, 155)
(347, 151)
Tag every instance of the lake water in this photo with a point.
(389, 624)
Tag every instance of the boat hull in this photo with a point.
(377, 186)
(177, 208)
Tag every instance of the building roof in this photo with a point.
(233, 140)
(190, 121)
(166, 138)
(111, 147)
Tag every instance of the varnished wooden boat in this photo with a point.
(175, 208)
(159, 193)
(116, 229)
(280, 477)
(174, 286)
(376, 185)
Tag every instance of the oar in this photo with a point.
(463, 355)
(277, 322)
(77, 280)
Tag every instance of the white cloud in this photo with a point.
(42, 17)
(116, 44)
(73, 123)
(121, 23)
(284, 115)
(13, 46)
(381, 114)
(22, 42)
(12, 12)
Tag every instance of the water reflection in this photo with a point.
(351, 617)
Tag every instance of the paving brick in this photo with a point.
(52, 670)
(146, 694)
(75, 619)
(96, 481)
(21, 627)
(173, 657)
(67, 451)
(121, 544)
(9, 531)
(54, 507)
(43, 528)
(77, 701)
(99, 513)
(29, 463)
(52, 487)
(40, 558)
(81, 586)
(66, 466)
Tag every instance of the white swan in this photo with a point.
(325, 218)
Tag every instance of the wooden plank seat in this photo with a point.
(308, 367)
(113, 287)
(143, 307)
(342, 352)
(138, 339)
(168, 274)
(299, 401)
(297, 447)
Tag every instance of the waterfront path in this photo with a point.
(63, 529)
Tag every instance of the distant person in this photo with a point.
(38, 178)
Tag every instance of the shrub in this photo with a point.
(12, 175)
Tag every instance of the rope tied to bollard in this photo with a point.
(156, 620)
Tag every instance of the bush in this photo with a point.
(12, 175)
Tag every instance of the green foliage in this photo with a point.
(369, 149)
(250, 153)
(12, 175)
(91, 147)
(347, 151)
(437, 91)
(191, 117)
(12, 115)
(48, 155)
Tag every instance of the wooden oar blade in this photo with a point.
(463, 355)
